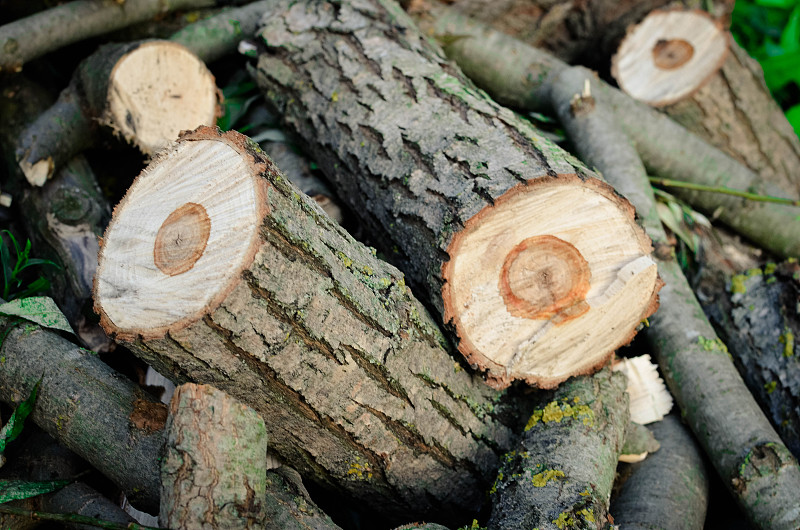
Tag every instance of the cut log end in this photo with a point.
(176, 245)
(158, 90)
(538, 298)
(669, 56)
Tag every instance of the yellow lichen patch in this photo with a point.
(359, 471)
(564, 520)
(554, 411)
(787, 339)
(737, 284)
(587, 515)
(712, 344)
(540, 479)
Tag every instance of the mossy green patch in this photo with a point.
(771, 386)
(712, 344)
(787, 339)
(737, 284)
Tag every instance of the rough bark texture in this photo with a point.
(638, 441)
(63, 219)
(426, 160)
(88, 407)
(288, 505)
(736, 113)
(669, 490)
(758, 319)
(213, 475)
(325, 340)
(104, 91)
(36, 35)
(561, 472)
(521, 76)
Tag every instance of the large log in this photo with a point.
(216, 270)
(534, 261)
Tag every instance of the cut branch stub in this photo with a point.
(527, 285)
(669, 55)
(158, 90)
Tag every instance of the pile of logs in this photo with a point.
(461, 371)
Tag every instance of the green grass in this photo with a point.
(18, 282)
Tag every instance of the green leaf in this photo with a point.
(784, 4)
(781, 69)
(13, 427)
(790, 38)
(672, 216)
(11, 490)
(41, 310)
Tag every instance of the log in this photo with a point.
(533, 262)
(744, 448)
(669, 490)
(288, 505)
(561, 472)
(49, 30)
(758, 320)
(145, 92)
(249, 287)
(63, 219)
(669, 55)
(213, 474)
(91, 409)
(522, 77)
(732, 109)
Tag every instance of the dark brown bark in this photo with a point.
(318, 335)
(434, 168)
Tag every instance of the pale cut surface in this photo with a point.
(158, 90)
(650, 400)
(542, 296)
(669, 55)
(180, 236)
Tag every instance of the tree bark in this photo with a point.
(669, 490)
(735, 112)
(288, 505)
(561, 473)
(213, 475)
(94, 411)
(759, 322)
(744, 448)
(521, 76)
(146, 92)
(302, 323)
(441, 175)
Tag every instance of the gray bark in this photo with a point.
(561, 472)
(669, 489)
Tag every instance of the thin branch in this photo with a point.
(72, 518)
(719, 189)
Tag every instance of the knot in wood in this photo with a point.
(669, 54)
(545, 277)
(182, 239)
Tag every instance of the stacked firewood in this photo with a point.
(460, 372)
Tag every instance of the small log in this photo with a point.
(215, 269)
(288, 505)
(213, 475)
(49, 30)
(63, 219)
(145, 92)
(533, 261)
(729, 107)
(639, 442)
(669, 55)
(759, 321)
(561, 472)
(522, 77)
(88, 407)
(669, 490)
